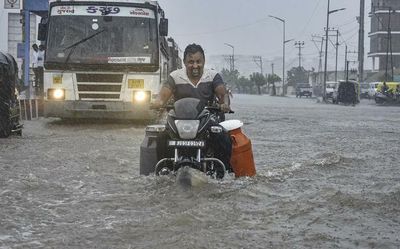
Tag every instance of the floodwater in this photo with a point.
(328, 176)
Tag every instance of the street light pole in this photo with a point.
(328, 12)
(233, 56)
(326, 54)
(283, 51)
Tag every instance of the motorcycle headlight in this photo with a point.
(187, 129)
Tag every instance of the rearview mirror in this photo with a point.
(163, 27)
(42, 32)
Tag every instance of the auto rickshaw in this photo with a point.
(347, 92)
(388, 93)
(9, 104)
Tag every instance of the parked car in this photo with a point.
(9, 104)
(303, 89)
(331, 87)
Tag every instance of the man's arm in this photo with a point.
(163, 97)
(223, 98)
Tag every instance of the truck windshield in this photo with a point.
(117, 36)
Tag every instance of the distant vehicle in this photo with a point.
(331, 86)
(372, 89)
(346, 93)
(105, 59)
(9, 104)
(364, 89)
(303, 89)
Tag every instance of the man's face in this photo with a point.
(194, 64)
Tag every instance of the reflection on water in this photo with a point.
(326, 178)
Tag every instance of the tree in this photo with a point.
(271, 79)
(297, 74)
(230, 77)
(244, 85)
(259, 81)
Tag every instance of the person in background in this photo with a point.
(35, 64)
(40, 68)
(385, 88)
(397, 92)
(195, 81)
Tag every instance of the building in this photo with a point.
(385, 35)
(11, 28)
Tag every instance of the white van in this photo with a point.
(331, 86)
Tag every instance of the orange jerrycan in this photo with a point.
(242, 160)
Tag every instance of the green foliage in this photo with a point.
(272, 79)
(230, 77)
(249, 85)
(297, 74)
(259, 80)
(244, 85)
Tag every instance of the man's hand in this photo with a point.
(156, 104)
(225, 107)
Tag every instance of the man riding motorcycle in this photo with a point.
(204, 84)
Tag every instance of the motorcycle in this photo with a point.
(184, 141)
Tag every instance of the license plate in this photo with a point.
(186, 143)
(136, 83)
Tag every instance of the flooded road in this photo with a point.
(328, 176)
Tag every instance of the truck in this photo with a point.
(105, 59)
(303, 89)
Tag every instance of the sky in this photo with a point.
(246, 25)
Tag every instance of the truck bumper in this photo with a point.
(98, 109)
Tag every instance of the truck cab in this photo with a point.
(303, 89)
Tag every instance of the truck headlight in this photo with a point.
(55, 94)
(141, 96)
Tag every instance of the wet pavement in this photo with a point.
(327, 177)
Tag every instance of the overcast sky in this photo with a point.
(245, 25)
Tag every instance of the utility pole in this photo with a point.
(337, 51)
(272, 68)
(232, 57)
(284, 41)
(389, 41)
(389, 46)
(326, 54)
(336, 46)
(361, 42)
(321, 54)
(347, 61)
(326, 48)
(259, 62)
(299, 45)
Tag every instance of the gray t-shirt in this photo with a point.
(182, 87)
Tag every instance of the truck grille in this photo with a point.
(99, 86)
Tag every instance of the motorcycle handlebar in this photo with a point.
(214, 107)
(217, 107)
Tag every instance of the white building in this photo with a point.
(11, 30)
